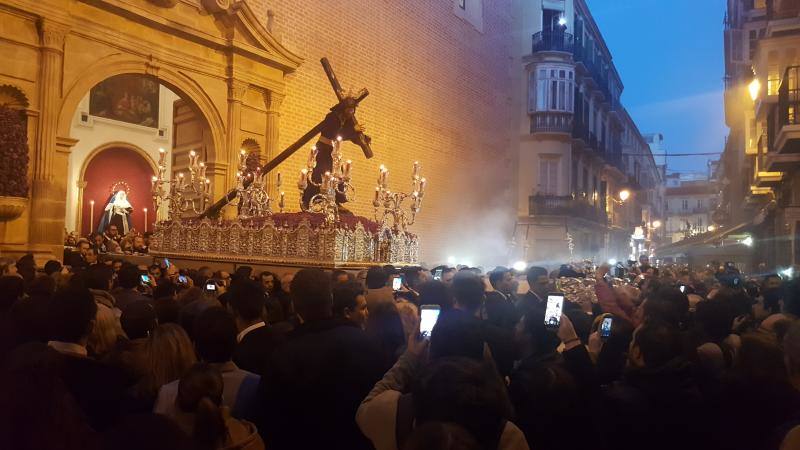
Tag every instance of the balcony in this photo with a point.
(551, 122)
(784, 124)
(594, 68)
(553, 41)
(551, 205)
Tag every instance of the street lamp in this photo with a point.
(624, 195)
(711, 228)
(755, 88)
(656, 224)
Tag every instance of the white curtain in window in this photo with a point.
(548, 176)
(554, 89)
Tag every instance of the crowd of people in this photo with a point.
(105, 245)
(104, 354)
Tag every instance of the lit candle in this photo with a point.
(302, 183)
(155, 183)
(202, 170)
(180, 181)
(416, 169)
(91, 215)
(312, 157)
(242, 157)
(384, 177)
(192, 158)
(377, 200)
(326, 180)
(208, 186)
(347, 166)
(281, 203)
(162, 155)
(145, 220)
(422, 184)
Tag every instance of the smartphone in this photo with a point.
(166, 263)
(144, 279)
(682, 288)
(605, 327)
(211, 286)
(437, 275)
(552, 313)
(397, 282)
(182, 279)
(429, 314)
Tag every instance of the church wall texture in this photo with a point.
(439, 93)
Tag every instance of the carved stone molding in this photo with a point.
(52, 34)
(237, 89)
(273, 100)
(216, 6)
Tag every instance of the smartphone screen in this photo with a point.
(166, 263)
(437, 275)
(605, 327)
(211, 286)
(145, 279)
(429, 314)
(552, 314)
(397, 283)
(181, 279)
(683, 289)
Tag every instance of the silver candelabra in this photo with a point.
(254, 200)
(332, 184)
(185, 194)
(393, 202)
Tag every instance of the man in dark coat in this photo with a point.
(539, 287)
(312, 386)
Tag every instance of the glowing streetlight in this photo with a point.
(612, 262)
(711, 228)
(624, 195)
(748, 241)
(562, 21)
(519, 266)
(755, 88)
(656, 224)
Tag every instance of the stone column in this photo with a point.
(48, 193)
(236, 91)
(272, 101)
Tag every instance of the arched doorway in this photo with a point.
(112, 169)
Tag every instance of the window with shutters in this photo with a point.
(554, 88)
(548, 176)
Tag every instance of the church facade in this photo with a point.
(245, 74)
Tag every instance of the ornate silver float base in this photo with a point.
(297, 242)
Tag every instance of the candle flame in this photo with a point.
(161, 150)
(192, 153)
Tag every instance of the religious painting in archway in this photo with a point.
(129, 98)
(117, 192)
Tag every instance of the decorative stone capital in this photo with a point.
(237, 89)
(52, 34)
(273, 100)
(151, 67)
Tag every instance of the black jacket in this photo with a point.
(312, 386)
(254, 350)
(500, 310)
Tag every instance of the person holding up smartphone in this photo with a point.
(618, 305)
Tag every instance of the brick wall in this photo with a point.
(439, 93)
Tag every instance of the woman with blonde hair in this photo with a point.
(169, 354)
(105, 333)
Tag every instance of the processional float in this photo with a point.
(321, 234)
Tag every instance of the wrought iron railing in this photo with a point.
(553, 41)
(552, 205)
(551, 122)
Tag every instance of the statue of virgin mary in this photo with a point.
(117, 212)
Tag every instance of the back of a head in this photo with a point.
(667, 305)
(128, 276)
(247, 300)
(344, 297)
(51, 267)
(496, 276)
(659, 344)
(42, 286)
(138, 319)
(11, 290)
(714, 317)
(533, 274)
(215, 335)
(311, 294)
(376, 278)
(441, 436)
(189, 313)
(200, 394)
(170, 354)
(468, 291)
(99, 277)
(242, 273)
(457, 334)
(465, 392)
(165, 289)
(70, 315)
(435, 293)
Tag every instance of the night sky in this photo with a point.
(671, 59)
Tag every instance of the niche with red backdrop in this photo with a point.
(126, 169)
